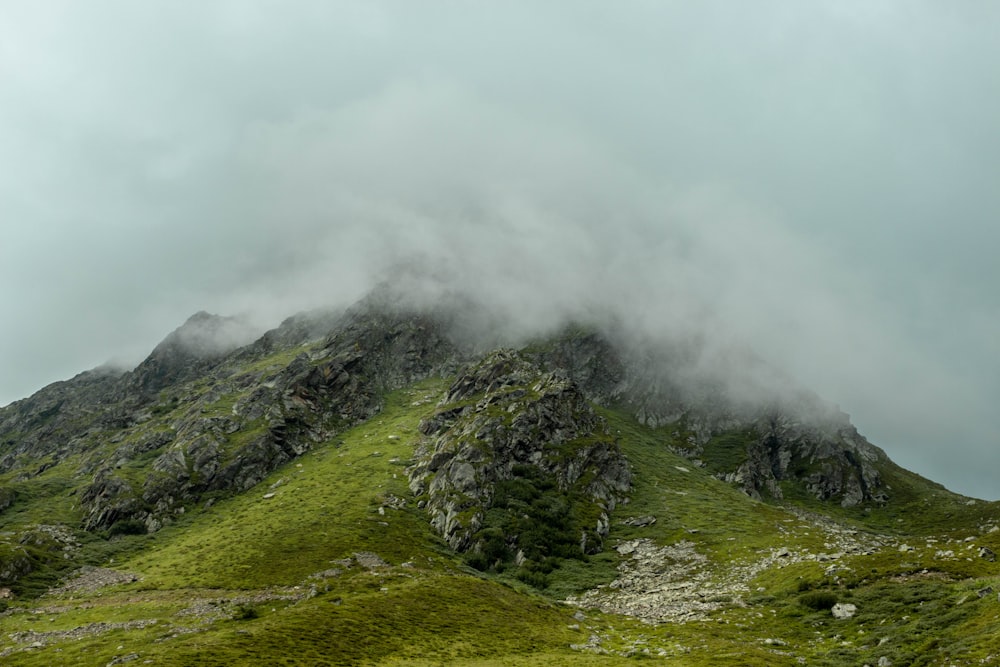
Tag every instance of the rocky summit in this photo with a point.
(395, 483)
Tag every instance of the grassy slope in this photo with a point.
(251, 558)
(325, 508)
(914, 607)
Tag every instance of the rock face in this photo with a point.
(268, 417)
(786, 434)
(508, 434)
(830, 459)
(48, 423)
(189, 351)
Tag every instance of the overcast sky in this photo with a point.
(822, 177)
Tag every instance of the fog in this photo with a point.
(816, 181)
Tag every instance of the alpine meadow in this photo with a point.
(561, 332)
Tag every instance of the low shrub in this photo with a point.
(537, 579)
(818, 600)
(127, 527)
(245, 612)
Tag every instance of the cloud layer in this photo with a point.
(816, 180)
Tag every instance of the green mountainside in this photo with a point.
(388, 486)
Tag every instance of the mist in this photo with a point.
(814, 182)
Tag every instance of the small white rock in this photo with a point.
(843, 610)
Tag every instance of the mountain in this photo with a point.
(397, 483)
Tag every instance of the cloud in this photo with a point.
(812, 180)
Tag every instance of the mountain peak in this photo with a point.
(201, 340)
(206, 335)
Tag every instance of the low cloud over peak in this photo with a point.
(812, 181)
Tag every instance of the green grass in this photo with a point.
(726, 452)
(689, 502)
(325, 506)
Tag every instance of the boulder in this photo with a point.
(843, 610)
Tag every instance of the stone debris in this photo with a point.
(593, 645)
(640, 521)
(657, 584)
(675, 583)
(222, 608)
(369, 560)
(41, 639)
(328, 574)
(89, 579)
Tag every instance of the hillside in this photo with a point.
(388, 486)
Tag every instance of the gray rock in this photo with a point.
(504, 418)
(843, 610)
(369, 560)
(640, 521)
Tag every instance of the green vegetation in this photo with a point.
(329, 561)
(530, 517)
(727, 452)
(818, 600)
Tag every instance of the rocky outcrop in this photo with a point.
(829, 459)
(509, 433)
(274, 417)
(794, 436)
(33, 547)
(47, 423)
(200, 343)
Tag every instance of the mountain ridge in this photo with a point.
(574, 461)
